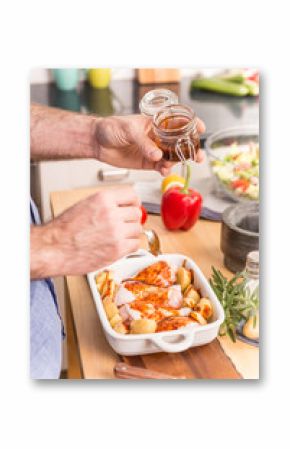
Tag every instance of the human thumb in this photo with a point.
(149, 149)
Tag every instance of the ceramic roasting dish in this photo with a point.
(167, 341)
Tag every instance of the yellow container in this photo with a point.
(99, 78)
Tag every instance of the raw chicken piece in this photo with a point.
(160, 274)
(123, 296)
(164, 313)
(129, 314)
(173, 322)
(185, 311)
(139, 289)
(175, 298)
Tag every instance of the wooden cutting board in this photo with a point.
(155, 76)
(203, 362)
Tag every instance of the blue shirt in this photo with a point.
(46, 329)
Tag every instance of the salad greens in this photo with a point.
(238, 170)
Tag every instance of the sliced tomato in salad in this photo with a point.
(242, 184)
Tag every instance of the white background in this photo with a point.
(125, 34)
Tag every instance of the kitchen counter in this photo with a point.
(123, 96)
(89, 354)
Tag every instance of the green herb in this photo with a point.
(236, 299)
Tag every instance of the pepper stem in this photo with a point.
(187, 178)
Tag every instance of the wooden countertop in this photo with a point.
(89, 354)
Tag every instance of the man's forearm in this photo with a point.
(46, 258)
(59, 134)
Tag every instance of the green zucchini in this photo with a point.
(252, 87)
(221, 86)
(234, 76)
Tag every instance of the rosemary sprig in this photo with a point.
(236, 299)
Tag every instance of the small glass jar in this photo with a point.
(175, 133)
(252, 270)
(174, 127)
(250, 328)
(156, 99)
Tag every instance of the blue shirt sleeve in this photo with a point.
(46, 328)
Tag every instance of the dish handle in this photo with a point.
(183, 345)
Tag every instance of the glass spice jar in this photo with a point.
(175, 133)
(251, 326)
(174, 127)
(252, 271)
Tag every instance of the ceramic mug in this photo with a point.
(100, 101)
(68, 99)
(99, 78)
(66, 79)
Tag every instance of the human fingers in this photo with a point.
(200, 156)
(200, 126)
(130, 214)
(124, 196)
(130, 246)
(149, 149)
(131, 230)
(164, 167)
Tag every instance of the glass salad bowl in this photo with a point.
(234, 161)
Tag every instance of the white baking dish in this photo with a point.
(169, 341)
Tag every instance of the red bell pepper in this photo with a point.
(144, 214)
(181, 206)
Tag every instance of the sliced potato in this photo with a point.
(110, 308)
(204, 306)
(109, 288)
(190, 291)
(191, 297)
(119, 327)
(116, 319)
(143, 326)
(198, 317)
(183, 278)
(104, 279)
(192, 276)
(100, 279)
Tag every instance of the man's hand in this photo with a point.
(120, 141)
(90, 235)
(124, 142)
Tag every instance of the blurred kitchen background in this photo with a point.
(118, 92)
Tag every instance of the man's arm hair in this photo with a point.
(59, 134)
(45, 258)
